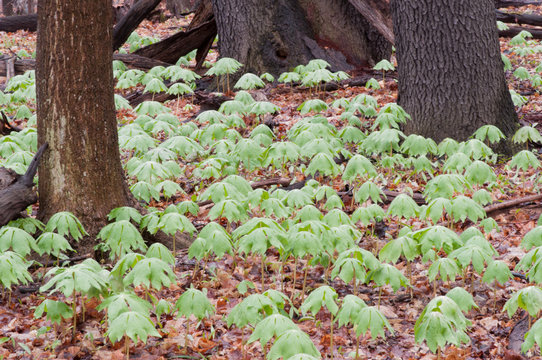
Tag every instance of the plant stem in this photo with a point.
(295, 272)
(438, 353)
(263, 271)
(357, 345)
(74, 308)
(186, 335)
(127, 346)
(331, 338)
(379, 297)
(409, 270)
(305, 281)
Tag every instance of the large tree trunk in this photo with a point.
(81, 172)
(451, 78)
(274, 36)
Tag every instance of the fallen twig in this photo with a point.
(511, 203)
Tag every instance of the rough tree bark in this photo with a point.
(451, 78)
(81, 172)
(274, 36)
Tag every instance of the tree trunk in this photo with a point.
(81, 172)
(274, 36)
(8, 7)
(451, 78)
(181, 7)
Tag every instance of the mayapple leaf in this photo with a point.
(132, 324)
(371, 319)
(272, 326)
(119, 303)
(290, 343)
(462, 298)
(350, 309)
(194, 302)
(151, 272)
(66, 224)
(55, 310)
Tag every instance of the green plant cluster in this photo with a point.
(219, 151)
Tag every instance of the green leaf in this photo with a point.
(462, 298)
(249, 82)
(490, 132)
(349, 268)
(151, 272)
(87, 278)
(437, 331)
(533, 335)
(66, 224)
(322, 296)
(404, 245)
(194, 302)
(119, 303)
(528, 298)
(171, 223)
(290, 343)
(16, 239)
(53, 244)
(121, 237)
(251, 310)
(387, 274)
(13, 269)
(55, 310)
(471, 254)
(403, 206)
(497, 270)
(132, 324)
(161, 252)
(272, 326)
(350, 310)
(371, 319)
(445, 267)
(124, 213)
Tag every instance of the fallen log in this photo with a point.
(514, 30)
(520, 19)
(131, 60)
(508, 3)
(172, 48)
(131, 21)
(30, 22)
(19, 22)
(5, 127)
(511, 203)
(20, 194)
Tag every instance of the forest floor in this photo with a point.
(493, 334)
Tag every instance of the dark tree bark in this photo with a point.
(8, 7)
(131, 21)
(520, 19)
(19, 22)
(17, 192)
(451, 78)
(81, 172)
(377, 13)
(274, 36)
(514, 30)
(181, 7)
(172, 48)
